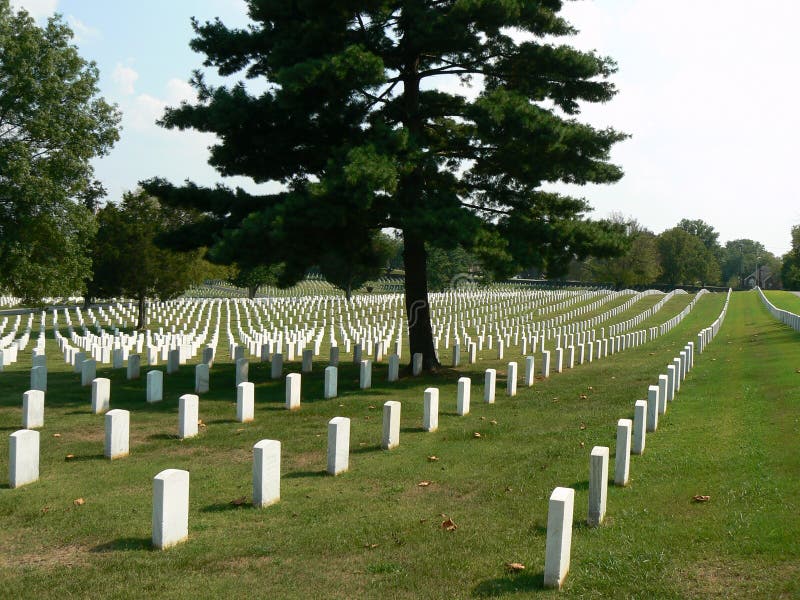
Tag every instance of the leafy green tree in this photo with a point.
(349, 118)
(52, 124)
(685, 259)
(790, 270)
(449, 268)
(253, 278)
(128, 262)
(639, 265)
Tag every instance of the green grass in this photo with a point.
(785, 300)
(373, 532)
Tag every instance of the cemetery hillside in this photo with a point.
(281, 447)
(390, 353)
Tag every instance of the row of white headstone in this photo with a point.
(784, 316)
(630, 440)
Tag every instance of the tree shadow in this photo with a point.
(366, 449)
(500, 586)
(163, 436)
(412, 430)
(580, 485)
(124, 544)
(87, 457)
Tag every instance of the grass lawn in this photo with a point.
(784, 300)
(732, 433)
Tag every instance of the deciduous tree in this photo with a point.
(52, 124)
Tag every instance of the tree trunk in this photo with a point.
(348, 292)
(251, 291)
(420, 333)
(142, 318)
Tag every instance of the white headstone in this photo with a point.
(134, 366)
(39, 378)
(622, 462)
(293, 382)
(463, 397)
(365, 375)
(394, 367)
(267, 472)
(276, 368)
(338, 445)
(308, 360)
(173, 361)
(598, 485)
(101, 395)
(201, 378)
(331, 382)
(33, 409)
(245, 401)
(639, 426)
(652, 407)
(188, 415)
(430, 409)
(117, 433)
(170, 508)
(416, 364)
(529, 371)
(663, 381)
(155, 386)
(511, 379)
(489, 385)
(23, 457)
(391, 425)
(88, 371)
(559, 537)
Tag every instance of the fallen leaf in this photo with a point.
(476, 435)
(423, 484)
(362, 443)
(509, 489)
(79, 502)
(370, 546)
(652, 354)
(515, 567)
(240, 430)
(583, 426)
(699, 498)
(45, 509)
(584, 396)
(493, 422)
(582, 444)
(590, 388)
(341, 405)
(483, 418)
(449, 525)
(69, 457)
(372, 408)
(239, 501)
(59, 435)
(433, 458)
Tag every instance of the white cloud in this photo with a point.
(179, 91)
(81, 31)
(38, 9)
(125, 78)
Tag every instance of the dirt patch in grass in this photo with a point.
(46, 558)
(718, 578)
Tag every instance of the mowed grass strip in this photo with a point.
(374, 532)
(785, 300)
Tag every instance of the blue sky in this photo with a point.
(707, 89)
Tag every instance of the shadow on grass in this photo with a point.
(302, 474)
(163, 436)
(366, 449)
(523, 582)
(412, 430)
(87, 457)
(226, 507)
(580, 485)
(125, 544)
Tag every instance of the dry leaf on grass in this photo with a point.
(584, 396)
(79, 502)
(583, 426)
(56, 435)
(370, 546)
(700, 498)
(433, 458)
(590, 388)
(448, 524)
(69, 457)
(423, 484)
(582, 444)
(476, 435)
(493, 422)
(239, 501)
(515, 567)
(483, 418)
